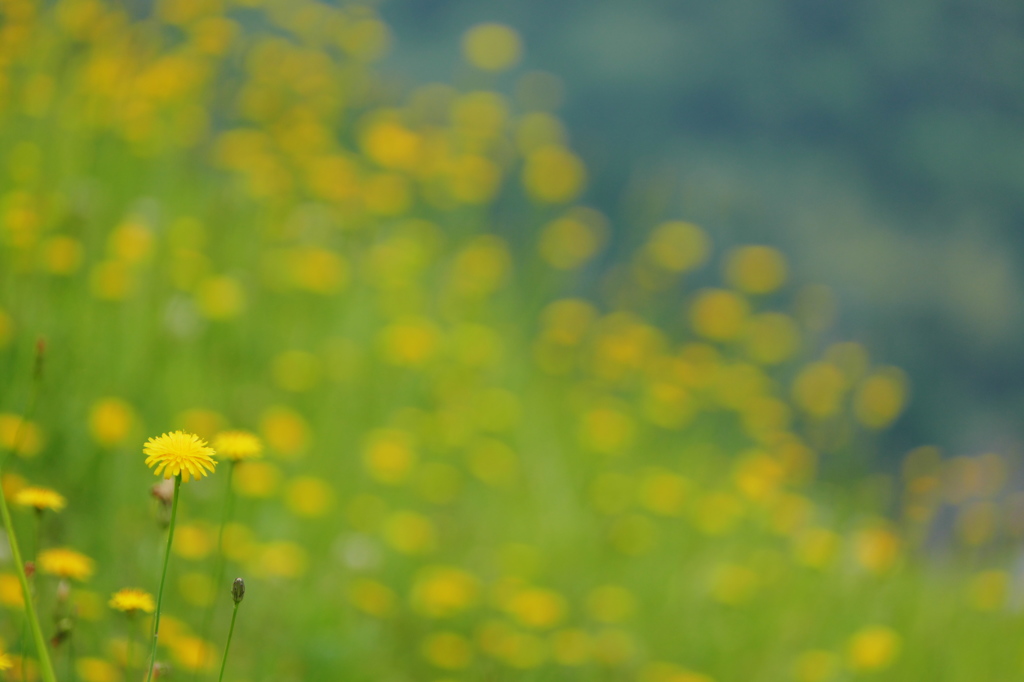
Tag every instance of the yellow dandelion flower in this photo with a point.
(6, 662)
(40, 499)
(132, 599)
(179, 454)
(238, 445)
(65, 563)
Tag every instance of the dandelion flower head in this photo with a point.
(65, 563)
(6, 663)
(238, 445)
(40, 498)
(132, 599)
(179, 453)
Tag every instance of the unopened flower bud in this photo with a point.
(164, 491)
(238, 590)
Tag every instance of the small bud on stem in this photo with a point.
(238, 590)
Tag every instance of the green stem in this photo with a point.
(45, 666)
(131, 646)
(229, 503)
(163, 576)
(231, 631)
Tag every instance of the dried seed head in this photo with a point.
(238, 590)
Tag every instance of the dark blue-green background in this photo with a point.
(879, 143)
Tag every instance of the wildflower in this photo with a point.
(40, 499)
(6, 662)
(131, 600)
(66, 563)
(238, 445)
(179, 454)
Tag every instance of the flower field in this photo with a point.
(444, 418)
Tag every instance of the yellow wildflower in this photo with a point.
(179, 454)
(238, 445)
(40, 499)
(132, 599)
(6, 663)
(65, 563)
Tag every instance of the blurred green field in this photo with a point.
(502, 440)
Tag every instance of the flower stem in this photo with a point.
(130, 649)
(45, 666)
(163, 576)
(218, 573)
(231, 631)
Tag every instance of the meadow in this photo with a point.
(465, 428)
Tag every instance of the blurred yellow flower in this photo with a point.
(20, 436)
(110, 421)
(285, 431)
(819, 389)
(718, 314)
(179, 454)
(10, 591)
(877, 548)
(873, 648)
(6, 663)
(491, 47)
(40, 499)
(881, 397)
(132, 599)
(410, 533)
(448, 650)
(96, 670)
(193, 653)
(65, 563)
(308, 496)
(220, 297)
(389, 455)
(443, 591)
(552, 174)
(536, 607)
(678, 246)
(372, 597)
(755, 269)
(257, 479)
(237, 445)
(193, 540)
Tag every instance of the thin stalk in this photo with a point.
(229, 504)
(227, 646)
(163, 576)
(131, 647)
(45, 666)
